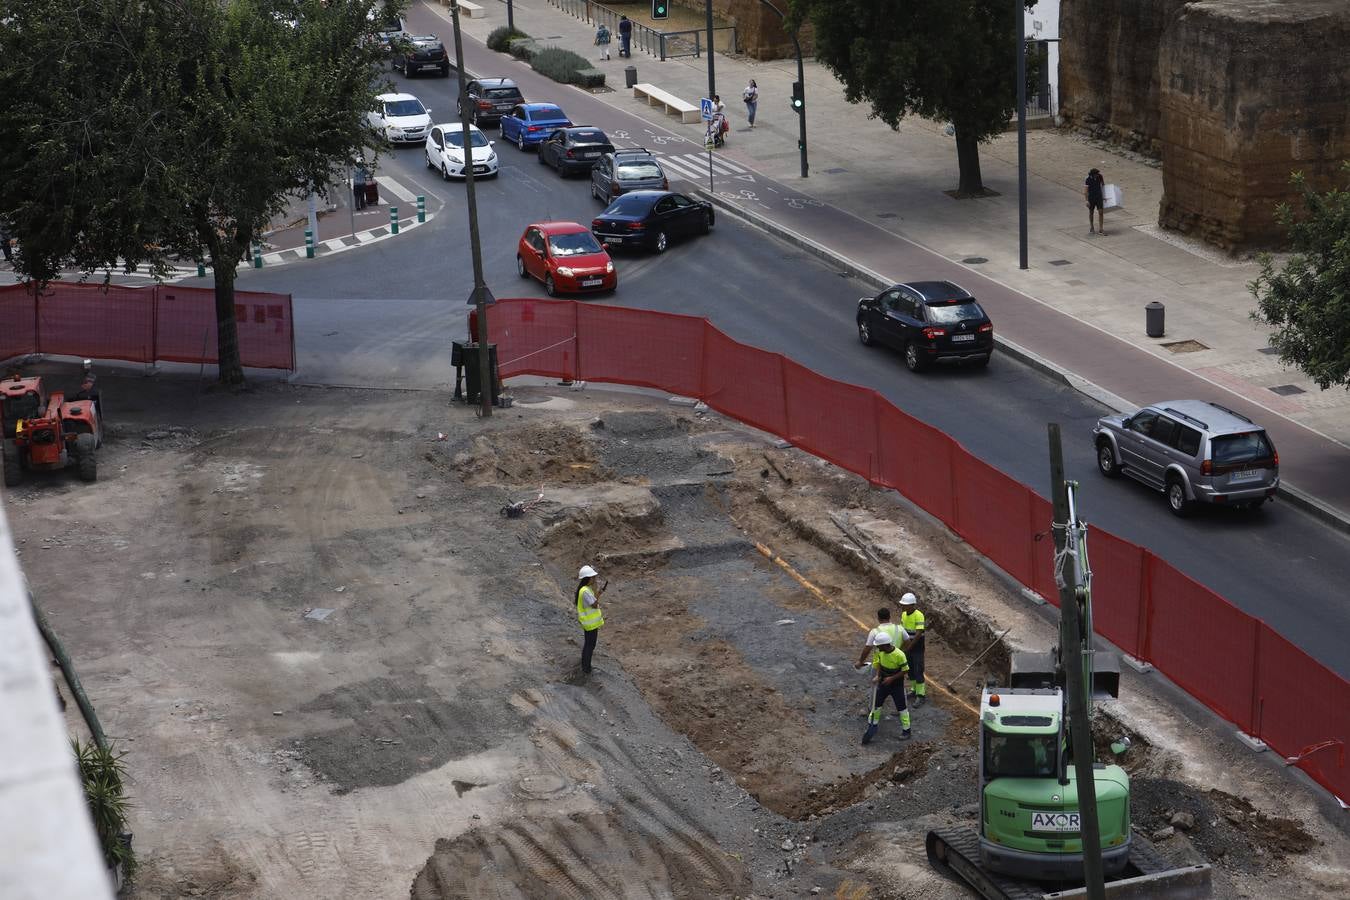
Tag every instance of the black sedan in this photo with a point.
(413, 53)
(574, 150)
(652, 219)
(928, 321)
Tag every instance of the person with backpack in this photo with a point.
(602, 38)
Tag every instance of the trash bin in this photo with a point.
(469, 356)
(629, 76)
(1154, 314)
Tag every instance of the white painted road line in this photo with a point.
(396, 189)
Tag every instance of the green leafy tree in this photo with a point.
(144, 131)
(947, 60)
(1307, 300)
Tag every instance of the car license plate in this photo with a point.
(592, 282)
(610, 240)
(590, 155)
(1052, 821)
(963, 337)
(1245, 475)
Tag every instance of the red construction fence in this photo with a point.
(1233, 663)
(146, 324)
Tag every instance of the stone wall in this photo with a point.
(759, 31)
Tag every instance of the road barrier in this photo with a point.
(1232, 662)
(163, 323)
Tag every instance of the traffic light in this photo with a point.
(798, 97)
(660, 9)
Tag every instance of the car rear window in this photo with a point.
(547, 112)
(1239, 448)
(589, 137)
(502, 93)
(954, 312)
(639, 170)
(630, 205)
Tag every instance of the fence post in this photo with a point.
(393, 220)
(422, 200)
(1255, 723)
(309, 243)
(955, 523)
(1145, 649)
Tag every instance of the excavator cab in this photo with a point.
(20, 398)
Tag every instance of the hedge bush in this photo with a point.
(500, 38)
(523, 48)
(566, 67)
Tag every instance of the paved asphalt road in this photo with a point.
(385, 314)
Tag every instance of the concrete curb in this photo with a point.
(1327, 515)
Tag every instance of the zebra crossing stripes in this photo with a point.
(694, 166)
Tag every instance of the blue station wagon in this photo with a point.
(527, 124)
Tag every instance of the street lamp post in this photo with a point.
(712, 81)
(481, 296)
(1021, 134)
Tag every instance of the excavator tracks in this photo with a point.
(956, 854)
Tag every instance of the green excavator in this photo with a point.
(1032, 828)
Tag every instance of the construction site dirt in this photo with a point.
(339, 668)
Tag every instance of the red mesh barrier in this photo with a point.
(1202, 642)
(637, 346)
(18, 322)
(89, 320)
(831, 419)
(533, 337)
(992, 512)
(744, 382)
(144, 324)
(1118, 589)
(1302, 709)
(902, 439)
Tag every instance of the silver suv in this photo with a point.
(1194, 451)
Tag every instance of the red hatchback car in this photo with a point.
(566, 257)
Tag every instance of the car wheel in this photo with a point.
(1176, 498)
(595, 194)
(662, 242)
(520, 142)
(543, 160)
(520, 267)
(707, 222)
(445, 172)
(864, 332)
(549, 287)
(1106, 460)
(445, 71)
(914, 360)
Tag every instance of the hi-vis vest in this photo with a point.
(897, 633)
(890, 663)
(913, 623)
(590, 617)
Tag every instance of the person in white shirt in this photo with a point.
(884, 625)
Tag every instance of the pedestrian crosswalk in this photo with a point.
(694, 166)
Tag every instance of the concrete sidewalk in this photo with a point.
(892, 184)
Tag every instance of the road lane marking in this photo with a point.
(396, 189)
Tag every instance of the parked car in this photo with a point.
(574, 149)
(490, 99)
(527, 124)
(400, 118)
(928, 321)
(1194, 451)
(566, 257)
(445, 151)
(617, 173)
(385, 24)
(413, 53)
(652, 219)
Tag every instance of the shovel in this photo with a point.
(873, 721)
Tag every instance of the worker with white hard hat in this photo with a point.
(588, 613)
(911, 619)
(890, 665)
(898, 635)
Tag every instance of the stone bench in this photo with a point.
(688, 112)
(470, 10)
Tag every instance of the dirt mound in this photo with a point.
(531, 454)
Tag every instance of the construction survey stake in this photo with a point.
(1054, 821)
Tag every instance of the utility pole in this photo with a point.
(1073, 645)
(510, 15)
(712, 81)
(481, 296)
(1021, 133)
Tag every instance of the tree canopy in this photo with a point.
(1307, 300)
(144, 131)
(948, 60)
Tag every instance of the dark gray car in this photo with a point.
(622, 171)
(1194, 451)
(490, 99)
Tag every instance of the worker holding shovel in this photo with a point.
(588, 613)
(889, 666)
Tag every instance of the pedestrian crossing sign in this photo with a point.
(705, 109)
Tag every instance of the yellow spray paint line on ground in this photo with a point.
(820, 595)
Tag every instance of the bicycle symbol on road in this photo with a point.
(802, 202)
(662, 139)
(742, 196)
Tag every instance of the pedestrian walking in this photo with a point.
(602, 38)
(897, 634)
(588, 614)
(1094, 192)
(890, 666)
(751, 97)
(912, 620)
(625, 37)
(360, 176)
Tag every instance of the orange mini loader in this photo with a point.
(49, 432)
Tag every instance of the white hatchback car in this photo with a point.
(400, 118)
(445, 151)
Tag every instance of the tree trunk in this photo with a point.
(224, 265)
(968, 158)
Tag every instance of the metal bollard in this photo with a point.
(257, 256)
(393, 220)
(421, 208)
(201, 269)
(309, 243)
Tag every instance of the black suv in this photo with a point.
(490, 99)
(927, 321)
(413, 53)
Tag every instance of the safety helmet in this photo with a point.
(909, 600)
(587, 572)
(882, 639)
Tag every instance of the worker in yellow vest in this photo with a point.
(588, 614)
(889, 668)
(911, 619)
(884, 623)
